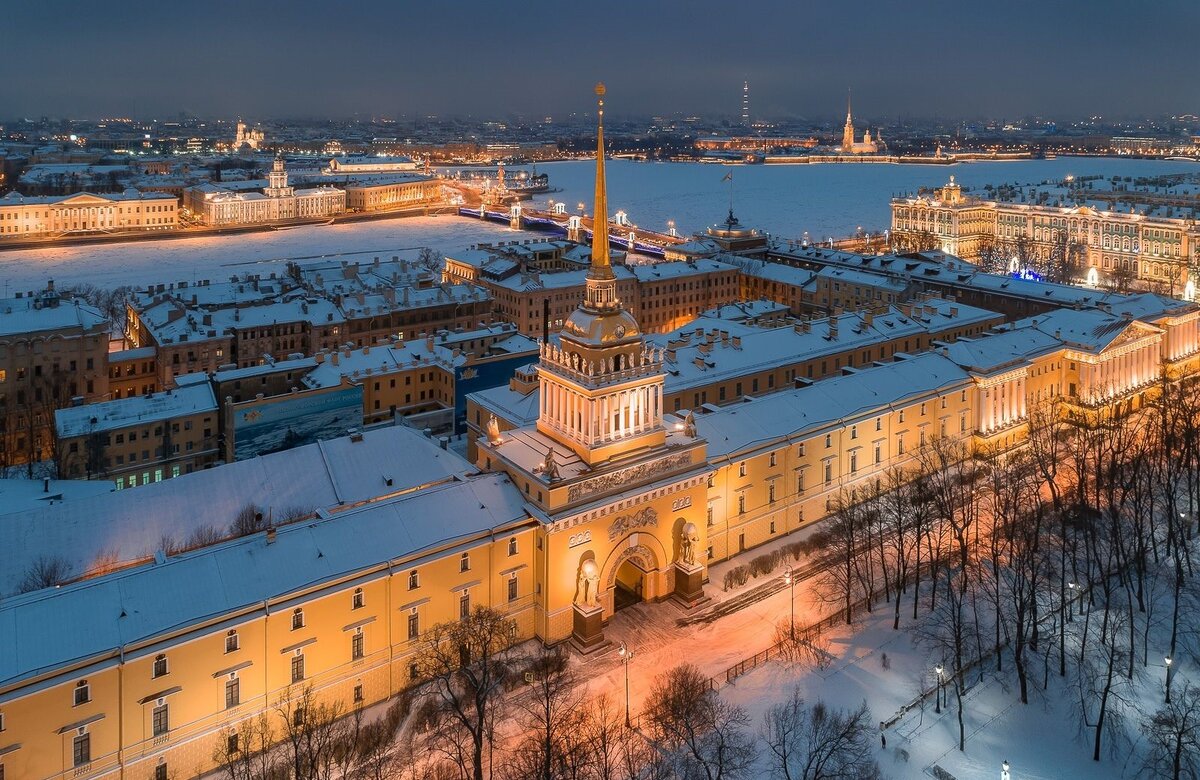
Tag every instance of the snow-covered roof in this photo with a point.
(748, 426)
(30, 314)
(134, 410)
(130, 524)
(18, 496)
(131, 606)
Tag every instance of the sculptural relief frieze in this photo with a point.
(627, 476)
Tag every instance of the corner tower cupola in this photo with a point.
(601, 386)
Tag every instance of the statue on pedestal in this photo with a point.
(588, 585)
(550, 466)
(688, 539)
(689, 424)
(493, 430)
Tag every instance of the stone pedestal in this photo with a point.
(689, 585)
(587, 634)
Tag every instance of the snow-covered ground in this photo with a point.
(1040, 740)
(824, 200)
(218, 257)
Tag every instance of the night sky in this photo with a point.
(914, 58)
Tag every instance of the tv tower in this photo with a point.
(746, 103)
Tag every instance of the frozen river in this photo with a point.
(824, 200)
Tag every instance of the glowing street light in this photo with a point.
(938, 698)
(1004, 773)
(1167, 661)
(626, 656)
(1071, 606)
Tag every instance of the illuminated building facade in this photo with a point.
(277, 202)
(85, 212)
(1150, 251)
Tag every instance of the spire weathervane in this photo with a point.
(601, 261)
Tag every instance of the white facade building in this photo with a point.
(276, 203)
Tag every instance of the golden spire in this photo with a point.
(601, 262)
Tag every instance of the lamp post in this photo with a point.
(626, 656)
(790, 579)
(1071, 606)
(1004, 773)
(937, 708)
(1167, 660)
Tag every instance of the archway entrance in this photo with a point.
(629, 585)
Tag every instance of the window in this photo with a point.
(231, 743)
(297, 619)
(772, 526)
(771, 493)
(800, 452)
(879, 423)
(512, 545)
(854, 462)
(512, 588)
(878, 452)
(413, 671)
(160, 771)
(298, 717)
(231, 641)
(83, 693)
(297, 667)
(81, 749)
(160, 665)
(742, 504)
(414, 624)
(356, 645)
(233, 692)
(828, 472)
(828, 440)
(358, 693)
(160, 721)
(414, 580)
(464, 605)
(742, 469)
(357, 601)
(464, 562)
(771, 460)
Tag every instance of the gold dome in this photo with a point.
(601, 328)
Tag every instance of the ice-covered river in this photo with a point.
(784, 200)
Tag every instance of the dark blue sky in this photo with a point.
(269, 58)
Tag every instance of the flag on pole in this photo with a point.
(728, 177)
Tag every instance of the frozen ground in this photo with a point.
(219, 257)
(1041, 740)
(784, 200)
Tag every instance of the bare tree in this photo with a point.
(706, 735)
(550, 717)
(818, 743)
(1173, 734)
(468, 662)
(46, 571)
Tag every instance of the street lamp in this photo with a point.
(1004, 775)
(1168, 662)
(626, 656)
(938, 697)
(1071, 606)
(790, 579)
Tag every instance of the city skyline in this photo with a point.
(945, 60)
